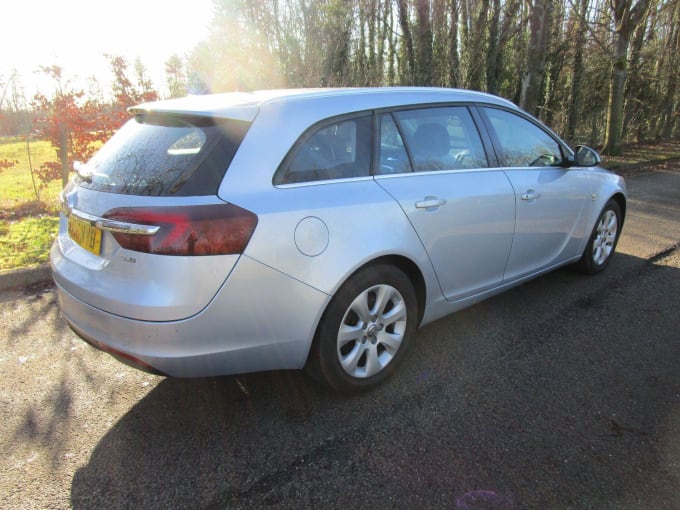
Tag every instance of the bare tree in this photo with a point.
(175, 76)
(578, 31)
(532, 79)
(454, 57)
(627, 14)
(670, 101)
(409, 57)
(555, 58)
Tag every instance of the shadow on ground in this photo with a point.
(563, 393)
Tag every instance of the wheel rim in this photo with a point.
(605, 237)
(372, 330)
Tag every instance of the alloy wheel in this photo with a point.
(605, 237)
(372, 331)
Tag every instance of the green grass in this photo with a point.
(26, 242)
(16, 184)
(28, 212)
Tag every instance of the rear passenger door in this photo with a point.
(433, 163)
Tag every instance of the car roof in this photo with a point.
(245, 105)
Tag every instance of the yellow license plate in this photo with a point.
(86, 235)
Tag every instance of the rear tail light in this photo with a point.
(188, 230)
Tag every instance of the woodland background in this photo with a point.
(597, 71)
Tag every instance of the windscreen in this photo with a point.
(165, 155)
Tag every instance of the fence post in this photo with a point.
(63, 153)
(30, 167)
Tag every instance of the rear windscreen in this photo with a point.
(163, 155)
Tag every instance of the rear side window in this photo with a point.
(393, 157)
(162, 155)
(339, 150)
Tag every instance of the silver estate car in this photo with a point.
(317, 229)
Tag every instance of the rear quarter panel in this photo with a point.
(321, 234)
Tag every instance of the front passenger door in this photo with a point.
(551, 200)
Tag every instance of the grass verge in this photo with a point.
(26, 242)
(19, 183)
(28, 211)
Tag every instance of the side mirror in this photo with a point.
(585, 156)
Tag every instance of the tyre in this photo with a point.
(602, 242)
(365, 331)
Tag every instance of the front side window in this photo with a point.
(340, 150)
(523, 144)
(442, 138)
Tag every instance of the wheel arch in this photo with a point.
(414, 274)
(620, 199)
(405, 265)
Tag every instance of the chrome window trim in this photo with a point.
(439, 172)
(322, 182)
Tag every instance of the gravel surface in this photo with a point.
(562, 393)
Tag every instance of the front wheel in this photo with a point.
(365, 330)
(602, 242)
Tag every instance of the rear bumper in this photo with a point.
(138, 285)
(260, 320)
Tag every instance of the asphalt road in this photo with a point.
(562, 393)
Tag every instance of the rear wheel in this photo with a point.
(365, 330)
(602, 242)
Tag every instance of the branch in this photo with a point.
(593, 35)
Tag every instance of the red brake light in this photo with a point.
(187, 230)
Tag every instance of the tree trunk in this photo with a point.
(672, 86)
(493, 49)
(578, 70)
(556, 58)
(440, 40)
(476, 62)
(613, 141)
(454, 60)
(634, 84)
(409, 66)
(532, 79)
(392, 44)
(495, 61)
(373, 19)
(423, 64)
(626, 17)
(464, 16)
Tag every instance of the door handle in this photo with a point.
(530, 195)
(430, 203)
